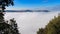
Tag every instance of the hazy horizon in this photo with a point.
(30, 22)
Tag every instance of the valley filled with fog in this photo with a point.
(30, 22)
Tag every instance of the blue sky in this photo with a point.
(33, 4)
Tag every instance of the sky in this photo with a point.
(33, 4)
(30, 22)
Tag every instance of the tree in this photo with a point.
(5, 28)
(4, 3)
(41, 31)
(14, 26)
(53, 26)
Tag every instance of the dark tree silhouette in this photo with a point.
(41, 31)
(4, 3)
(14, 26)
(5, 28)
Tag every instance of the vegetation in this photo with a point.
(6, 28)
(53, 27)
(4, 3)
(14, 26)
(40, 31)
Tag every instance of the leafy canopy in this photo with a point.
(6, 2)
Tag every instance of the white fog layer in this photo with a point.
(30, 22)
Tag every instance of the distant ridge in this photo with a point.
(27, 11)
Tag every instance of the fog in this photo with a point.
(30, 22)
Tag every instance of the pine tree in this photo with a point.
(53, 27)
(41, 31)
(4, 27)
(4, 3)
(14, 26)
(1, 18)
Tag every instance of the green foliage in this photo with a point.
(41, 31)
(53, 27)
